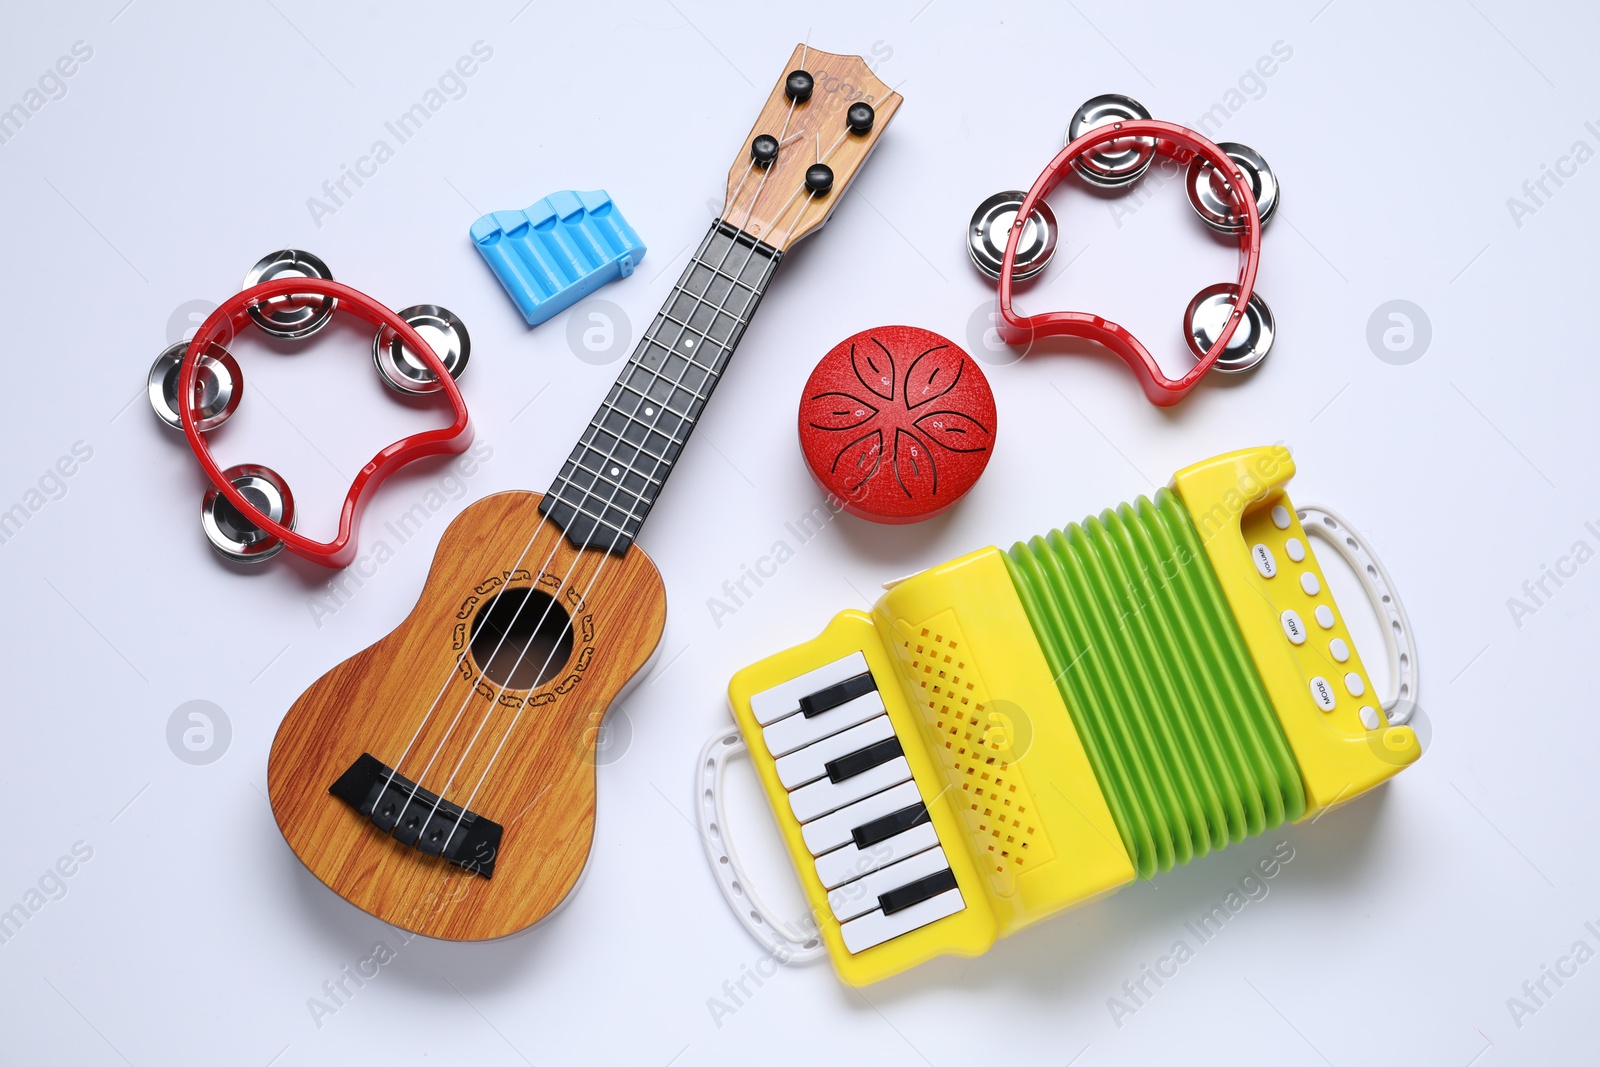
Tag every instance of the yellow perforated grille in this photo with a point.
(976, 742)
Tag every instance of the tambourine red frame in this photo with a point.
(1181, 144)
(234, 316)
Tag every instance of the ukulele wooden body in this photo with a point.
(541, 789)
(447, 787)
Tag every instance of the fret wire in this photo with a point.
(612, 462)
(722, 319)
(580, 509)
(676, 386)
(608, 403)
(611, 481)
(670, 351)
(700, 298)
(572, 466)
(665, 407)
(720, 345)
(700, 397)
(679, 287)
(637, 448)
(720, 273)
(652, 336)
(613, 503)
(673, 438)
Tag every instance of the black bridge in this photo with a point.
(413, 816)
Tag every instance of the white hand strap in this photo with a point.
(776, 935)
(1331, 527)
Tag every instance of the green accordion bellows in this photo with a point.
(1160, 686)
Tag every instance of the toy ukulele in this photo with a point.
(1013, 733)
(443, 779)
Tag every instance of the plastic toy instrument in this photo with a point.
(1017, 732)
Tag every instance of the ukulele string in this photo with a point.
(720, 309)
(804, 48)
(516, 613)
(821, 158)
(455, 668)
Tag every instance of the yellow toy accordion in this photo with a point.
(1014, 733)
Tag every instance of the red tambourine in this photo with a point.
(232, 317)
(1181, 144)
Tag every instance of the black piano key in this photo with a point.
(881, 829)
(836, 694)
(915, 893)
(863, 759)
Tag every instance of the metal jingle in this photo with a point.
(990, 229)
(218, 385)
(230, 532)
(296, 315)
(1116, 163)
(1211, 195)
(1208, 314)
(401, 370)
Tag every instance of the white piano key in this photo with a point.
(831, 831)
(874, 928)
(810, 763)
(797, 731)
(861, 896)
(847, 862)
(819, 798)
(772, 704)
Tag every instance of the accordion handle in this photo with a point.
(774, 933)
(1328, 524)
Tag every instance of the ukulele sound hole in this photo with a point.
(521, 638)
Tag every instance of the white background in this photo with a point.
(188, 146)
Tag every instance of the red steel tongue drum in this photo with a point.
(999, 738)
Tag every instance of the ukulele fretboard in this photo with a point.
(614, 474)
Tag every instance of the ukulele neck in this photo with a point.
(615, 472)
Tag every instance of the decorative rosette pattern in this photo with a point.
(897, 423)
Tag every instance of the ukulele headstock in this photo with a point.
(806, 124)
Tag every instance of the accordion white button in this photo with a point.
(1265, 562)
(831, 831)
(1324, 616)
(1309, 583)
(874, 928)
(1280, 517)
(1369, 717)
(797, 731)
(810, 763)
(1322, 693)
(849, 862)
(1354, 685)
(824, 796)
(1295, 550)
(1339, 650)
(1294, 626)
(772, 704)
(861, 896)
